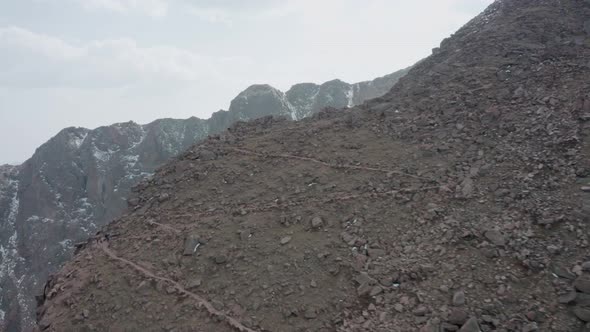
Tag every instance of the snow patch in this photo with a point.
(10, 257)
(76, 141)
(349, 97)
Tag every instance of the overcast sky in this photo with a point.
(95, 62)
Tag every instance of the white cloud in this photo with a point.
(154, 8)
(29, 58)
(212, 15)
(15, 37)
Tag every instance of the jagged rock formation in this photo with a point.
(458, 201)
(80, 179)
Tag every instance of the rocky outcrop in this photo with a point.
(458, 201)
(80, 180)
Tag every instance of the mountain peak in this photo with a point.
(457, 201)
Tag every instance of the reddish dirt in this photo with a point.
(455, 202)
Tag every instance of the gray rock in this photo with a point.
(470, 326)
(432, 325)
(285, 240)
(310, 313)
(458, 316)
(207, 155)
(163, 197)
(583, 284)
(317, 222)
(191, 244)
(582, 299)
(583, 313)
(459, 298)
(448, 327)
(495, 237)
(194, 283)
(467, 187)
(220, 259)
(562, 272)
(567, 298)
(376, 290)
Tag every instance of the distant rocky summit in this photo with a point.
(79, 180)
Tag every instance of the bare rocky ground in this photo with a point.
(459, 201)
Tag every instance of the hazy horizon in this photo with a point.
(89, 63)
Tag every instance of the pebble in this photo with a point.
(285, 240)
(220, 259)
(470, 326)
(420, 311)
(449, 327)
(459, 298)
(163, 197)
(583, 284)
(583, 313)
(191, 243)
(194, 283)
(567, 298)
(398, 307)
(458, 316)
(495, 237)
(562, 272)
(310, 313)
(376, 291)
(586, 266)
(316, 222)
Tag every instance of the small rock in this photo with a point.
(206, 155)
(583, 299)
(586, 266)
(194, 283)
(420, 311)
(376, 291)
(85, 313)
(459, 298)
(163, 197)
(583, 284)
(470, 326)
(313, 284)
(458, 316)
(530, 327)
(191, 243)
(567, 298)
(583, 313)
(495, 237)
(467, 187)
(310, 313)
(398, 307)
(244, 235)
(220, 259)
(433, 325)
(449, 327)
(586, 189)
(562, 272)
(316, 222)
(376, 253)
(285, 240)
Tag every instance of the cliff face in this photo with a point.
(80, 180)
(458, 201)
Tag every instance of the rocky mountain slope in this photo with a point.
(80, 179)
(459, 201)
